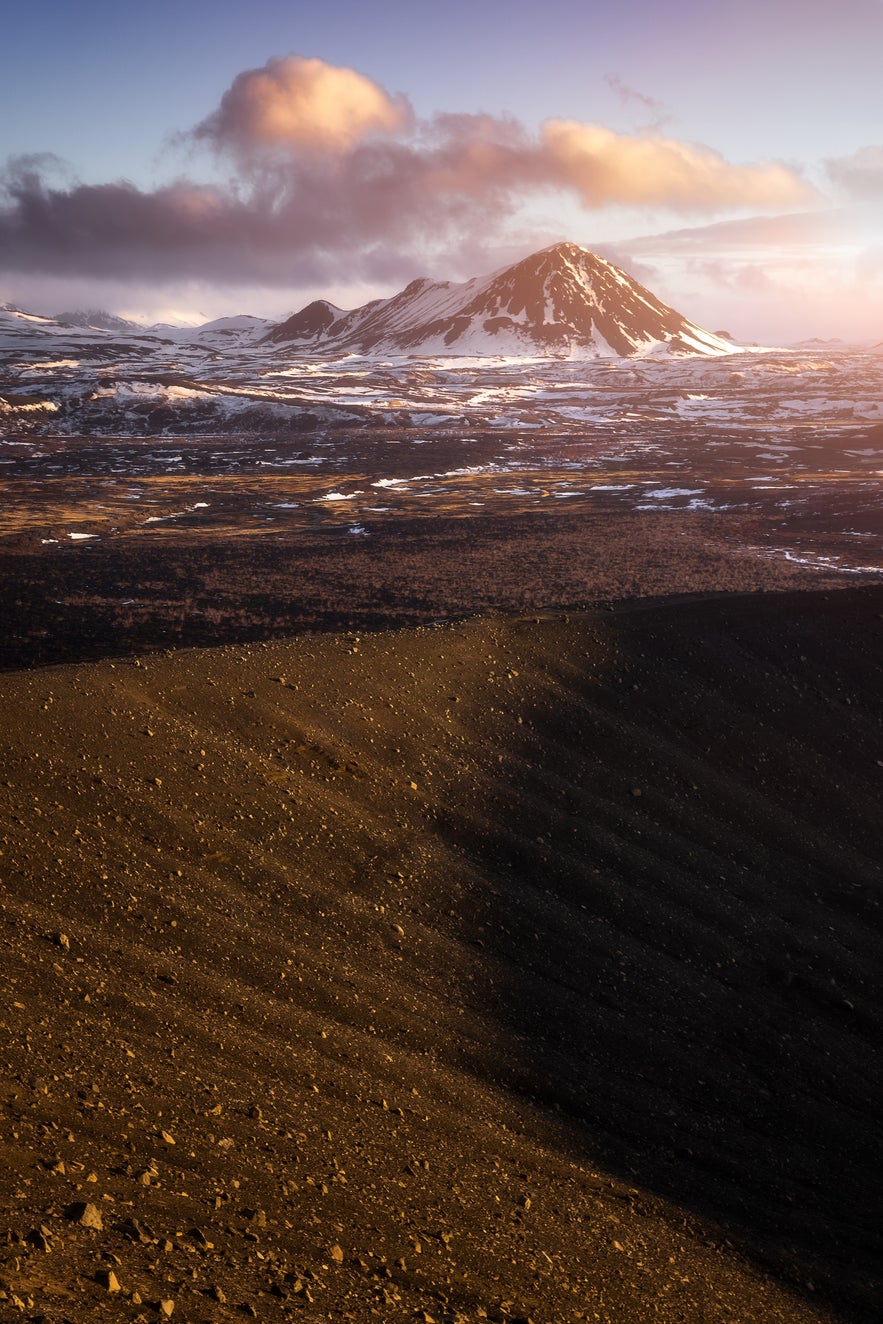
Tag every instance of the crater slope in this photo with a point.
(517, 968)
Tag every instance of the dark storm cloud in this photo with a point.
(376, 205)
(291, 229)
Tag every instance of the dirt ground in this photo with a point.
(522, 967)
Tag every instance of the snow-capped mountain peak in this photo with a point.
(563, 301)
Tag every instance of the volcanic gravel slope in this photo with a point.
(518, 968)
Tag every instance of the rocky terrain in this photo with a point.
(519, 968)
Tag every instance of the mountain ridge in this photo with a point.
(97, 319)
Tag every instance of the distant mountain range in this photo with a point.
(239, 328)
(563, 302)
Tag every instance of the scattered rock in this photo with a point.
(132, 1229)
(40, 1238)
(107, 1279)
(86, 1214)
(336, 1254)
(166, 1307)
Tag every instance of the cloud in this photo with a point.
(303, 105)
(114, 229)
(379, 214)
(328, 169)
(630, 98)
(860, 175)
(786, 232)
(603, 167)
(739, 277)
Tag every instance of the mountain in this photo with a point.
(312, 323)
(818, 342)
(98, 320)
(105, 331)
(563, 302)
(242, 329)
(232, 332)
(16, 320)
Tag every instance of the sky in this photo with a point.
(182, 161)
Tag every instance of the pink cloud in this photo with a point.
(603, 167)
(303, 105)
(792, 230)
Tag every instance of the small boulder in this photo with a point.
(86, 1214)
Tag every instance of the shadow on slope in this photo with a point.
(683, 913)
